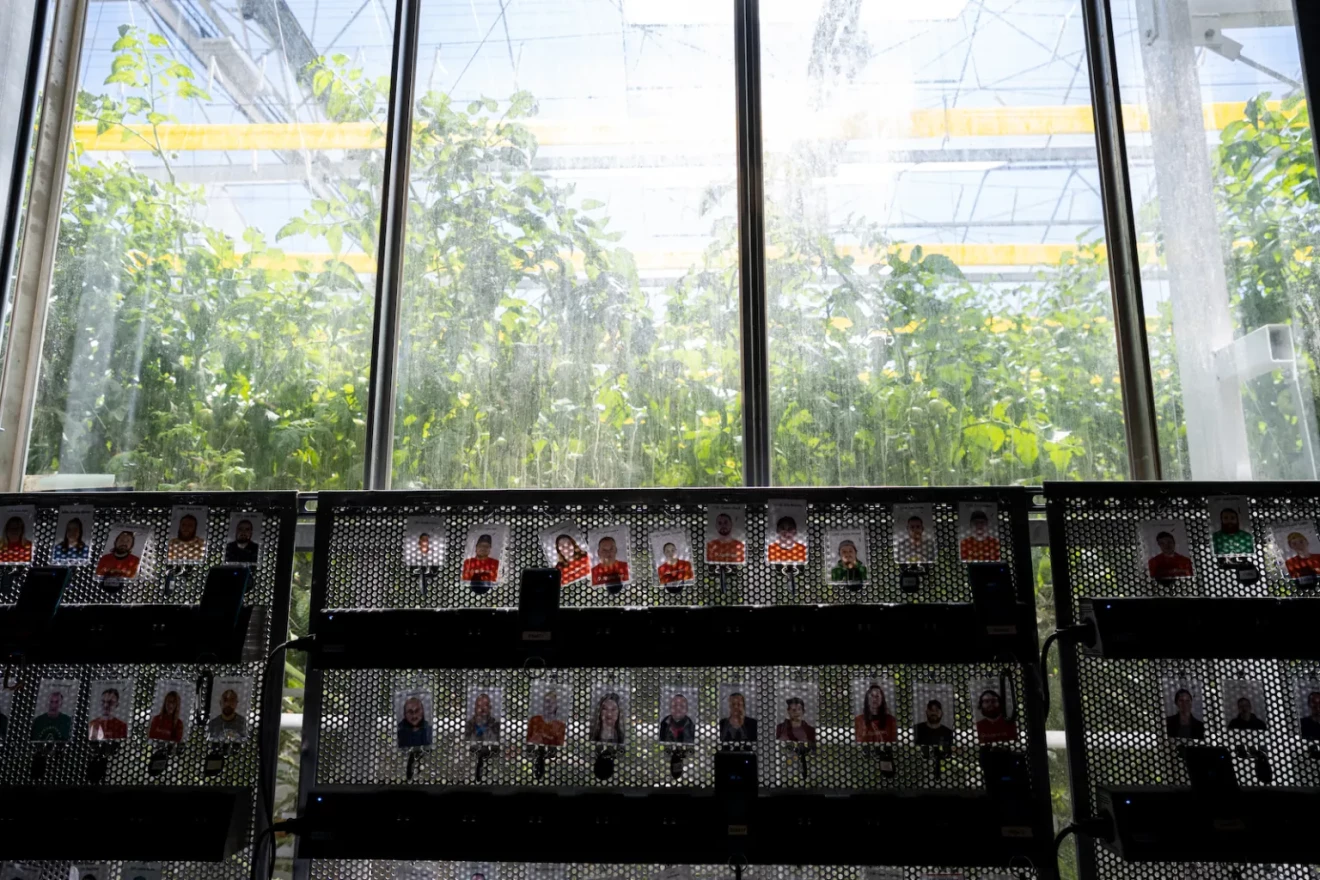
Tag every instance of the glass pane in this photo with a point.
(1223, 176)
(210, 319)
(939, 303)
(570, 310)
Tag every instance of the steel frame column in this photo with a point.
(1121, 237)
(379, 447)
(751, 246)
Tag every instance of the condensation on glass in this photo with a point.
(210, 315)
(570, 290)
(938, 295)
(1223, 179)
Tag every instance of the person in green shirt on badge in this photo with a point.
(848, 570)
(54, 726)
(1230, 540)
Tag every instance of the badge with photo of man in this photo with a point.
(185, 543)
(244, 538)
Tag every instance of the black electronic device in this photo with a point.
(1193, 628)
(538, 611)
(222, 597)
(1210, 769)
(35, 609)
(1254, 824)
(994, 595)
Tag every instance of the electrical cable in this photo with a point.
(264, 796)
(1075, 629)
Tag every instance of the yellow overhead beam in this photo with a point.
(964, 255)
(917, 124)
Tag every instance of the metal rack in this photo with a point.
(147, 628)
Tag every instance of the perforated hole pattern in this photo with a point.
(385, 870)
(1123, 702)
(128, 766)
(366, 568)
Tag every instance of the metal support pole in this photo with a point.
(1198, 283)
(1121, 235)
(390, 250)
(1306, 13)
(751, 246)
(36, 256)
(17, 18)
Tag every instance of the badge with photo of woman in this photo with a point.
(565, 548)
(73, 536)
(738, 711)
(610, 549)
(994, 713)
(678, 714)
(485, 711)
(110, 706)
(874, 719)
(786, 532)
(414, 709)
(671, 553)
(171, 710)
(549, 709)
(978, 532)
(16, 539)
(1244, 704)
(483, 554)
(609, 713)
(424, 542)
(934, 714)
(1297, 549)
(1184, 707)
(1165, 549)
(846, 558)
(186, 541)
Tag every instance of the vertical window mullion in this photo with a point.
(751, 246)
(390, 250)
(1121, 239)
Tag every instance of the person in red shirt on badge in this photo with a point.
(573, 564)
(108, 726)
(121, 561)
(980, 545)
(481, 568)
(673, 570)
(876, 724)
(787, 549)
(1302, 562)
(168, 725)
(993, 726)
(1168, 563)
(610, 571)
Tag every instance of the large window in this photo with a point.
(210, 318)
(570, 310)
(574, 305)
(939, 302)
(1223, 174)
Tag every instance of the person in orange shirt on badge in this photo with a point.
(673, 570)
(726, 549)
(1168, 563)
(787, 549)
(1303, 561)
(610, 571)
(980, 545)
(547, 728)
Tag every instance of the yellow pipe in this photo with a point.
(953, 123)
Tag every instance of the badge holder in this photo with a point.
(113, 585)
(884, 754)
(1242, 566)
(102, 751)
(484, 752)
(173, 573)
(1306, 581)
(427, 573)
(911, 574)
(678, 756)
(790, 576)
(160, 758)
(44, 756)
(414, 759)
(724, 571)
(9, 577)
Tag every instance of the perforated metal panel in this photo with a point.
(268, 594)
(357, 738)
(364, 565)
(384, 870)
(1117, 713)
